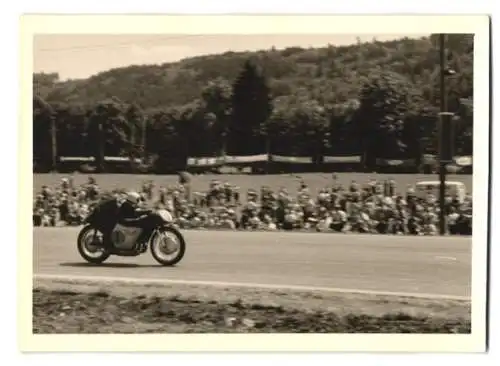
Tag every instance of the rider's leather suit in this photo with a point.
(128, 215)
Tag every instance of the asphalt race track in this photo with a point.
(419, 265)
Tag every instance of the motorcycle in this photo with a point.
(165, 241)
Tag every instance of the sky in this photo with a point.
(80, 56)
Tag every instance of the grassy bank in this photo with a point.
(82, 308)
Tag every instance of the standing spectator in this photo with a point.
(185, 179)
(45, 192)
(354, 187)
(389, 187)
(228, 192)
(147, 189)
(64, 209)
(236, 195)
(162, 195)
(65, 184)
(37, 216)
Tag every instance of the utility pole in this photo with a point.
(268, 151)
(53, 135)
(446, 136)
(101, 134)
(224, 143)
(132, 144)
(143, 138)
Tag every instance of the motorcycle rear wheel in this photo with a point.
(87, 251)
(157, 243)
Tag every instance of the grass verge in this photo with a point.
(85, 308)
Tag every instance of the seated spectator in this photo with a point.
(226, 221)
(339, 219)
(308, 209)
(53, 216)
(253, 222)
(464, 221)
(310, 222)
(360, 221)
(452, 221)
(430, 220)
(373, 208)
(290, 219)
(268, 223)
(198, 220)
(324, 220)
(381, 217)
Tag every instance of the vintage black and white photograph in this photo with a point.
(255, 183)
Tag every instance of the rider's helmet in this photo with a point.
(133, 197)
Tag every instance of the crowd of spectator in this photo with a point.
(373, 207)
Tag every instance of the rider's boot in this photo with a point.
(106, 241)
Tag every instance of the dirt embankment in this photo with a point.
(75, 311)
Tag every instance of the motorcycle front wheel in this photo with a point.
(167, 246)
(90, 250)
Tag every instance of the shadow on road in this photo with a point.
(109, 265)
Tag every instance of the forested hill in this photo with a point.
(375, 99)
(330, 75)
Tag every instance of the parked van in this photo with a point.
(454, 189)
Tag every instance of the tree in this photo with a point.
(108, 130)
(342, 128)
(312, 128)
(280, 129)
(384, 106)
(464, 128)
(192, 126)
(296, 79)
(71, 124)
(341, 77)
(164, 141)
(251, 105)
(217, 101)
(44, 83)
(44, 148)
(299, 128)
(135, 119)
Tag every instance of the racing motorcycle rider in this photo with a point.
(129, 214)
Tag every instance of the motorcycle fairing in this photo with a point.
(125, 237)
